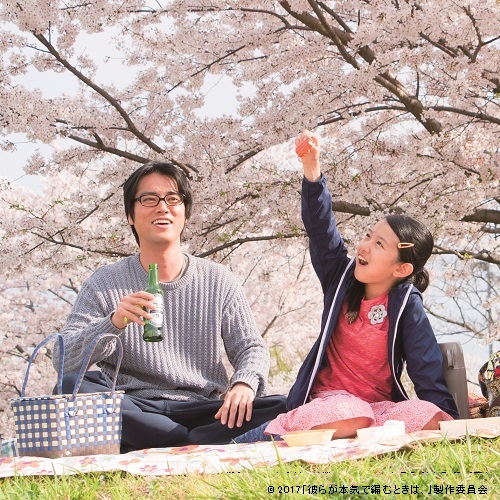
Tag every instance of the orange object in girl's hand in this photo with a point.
(304, 147)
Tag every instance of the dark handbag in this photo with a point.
(489, 381)
(62, 425)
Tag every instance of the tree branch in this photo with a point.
(341, 39)
(241, 241)
(99, 145)
(51, 239)
(464, 255)
(114, 103)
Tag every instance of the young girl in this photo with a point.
(373, 322)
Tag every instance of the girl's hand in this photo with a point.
(307, 148)
(132, 309)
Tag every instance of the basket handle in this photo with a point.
(86, 361)
(60, 370)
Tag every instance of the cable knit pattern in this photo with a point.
(206, 312)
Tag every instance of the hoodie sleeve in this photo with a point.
(326, 246)
(423, 357)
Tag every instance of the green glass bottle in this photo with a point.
(153, 327)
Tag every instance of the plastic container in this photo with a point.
(459, 428)
(304, 438)
(391, 429)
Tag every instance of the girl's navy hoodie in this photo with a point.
(411, 338)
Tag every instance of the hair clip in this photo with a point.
(405, 245)
(304, 147)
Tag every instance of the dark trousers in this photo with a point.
(160, 423)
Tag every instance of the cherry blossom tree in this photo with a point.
(471, 292)
(404, 94)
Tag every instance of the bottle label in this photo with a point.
(157, 314)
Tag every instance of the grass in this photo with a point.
(469, 468)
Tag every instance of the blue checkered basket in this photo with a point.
(62, 425)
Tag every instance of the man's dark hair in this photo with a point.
(167, 169)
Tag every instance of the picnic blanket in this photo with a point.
(213, 459)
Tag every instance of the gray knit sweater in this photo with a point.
(205, 312)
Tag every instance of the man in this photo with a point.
(177, 391)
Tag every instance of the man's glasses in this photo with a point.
(153, 200)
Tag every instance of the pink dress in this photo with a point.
(356, 380)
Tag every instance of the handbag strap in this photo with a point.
(88, 356)
(60, 369)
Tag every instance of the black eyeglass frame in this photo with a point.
(160, 198)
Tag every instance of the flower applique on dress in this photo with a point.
(377, 314)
